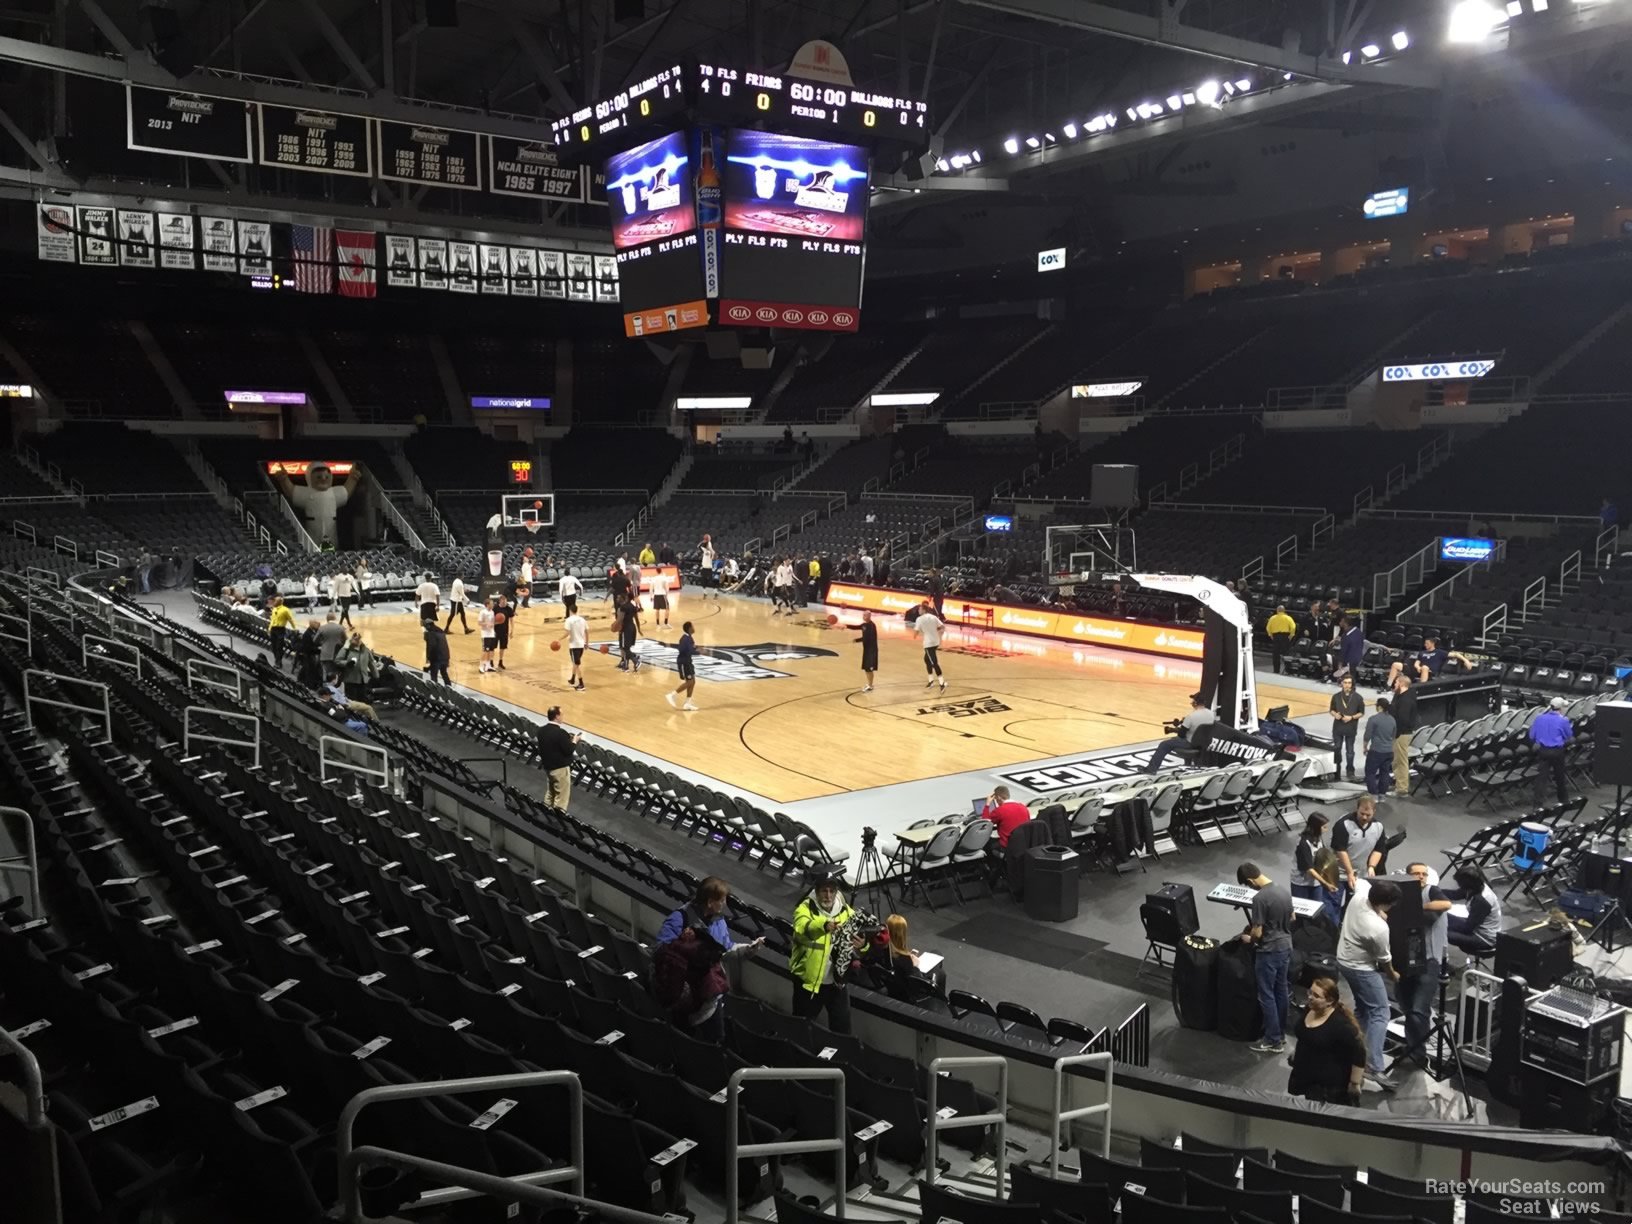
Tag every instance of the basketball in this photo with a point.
(555, 645)
(528, 551)
(606, 648)
(832, 619)
(538, 505)
(499, 618)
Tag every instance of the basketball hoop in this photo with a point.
(532, 526)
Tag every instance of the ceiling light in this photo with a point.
(1110, 119)
(1229, 89)
(1244, 84)
(1371, 50)
(1132, 114)
(1207, 93)
(1539, 6)
(1096, 125)
(1286, 76)
(1347, 56)
(1515, 8)
(1189, 98)
(1070, 131)
(1401, 40)
(976, 156)
(1011, 145)
(1174, 102)
(1472, 21)
(941, 165)
(1032, 142)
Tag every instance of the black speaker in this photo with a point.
(1239, 1016)
(1612, 743)
(1551, 1102)
(1407, 940)
(1179, 900)
(1607, 874)
(1195, 983)
(1540, 953)
(442, 14)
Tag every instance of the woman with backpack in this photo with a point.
(687, 976)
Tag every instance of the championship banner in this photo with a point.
(176, 236)
(136, 239)
(186, 125)
(552, 274)
(1030, 622)
(255, 246)
(401, 263)
(433, 156)
(524, 271)
(580, 269)
(299, 139)
(220, 244)
(96, 237)
(54, 233)
(495, 269)
(606, 278)
(462, 266)
(433, 263)
(528, 168)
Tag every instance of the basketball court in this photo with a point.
(781, 712)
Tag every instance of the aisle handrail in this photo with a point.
(1062, 1116)
(735, 1150)
(1000, 1119)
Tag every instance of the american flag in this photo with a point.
(313, 249)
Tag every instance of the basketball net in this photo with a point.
(532, 526)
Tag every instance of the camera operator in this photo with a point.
(1183, 741)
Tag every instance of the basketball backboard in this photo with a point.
(527, 510)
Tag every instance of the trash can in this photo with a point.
(1051, 883)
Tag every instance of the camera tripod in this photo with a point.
(1439, 1030)
(873, 875)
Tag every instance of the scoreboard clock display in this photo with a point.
(434, 156)
(658, 98)
(187, 125)
(299, 139)
(841, 110)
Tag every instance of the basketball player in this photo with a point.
(928, 626)
(429, 596)
(570, 588)
(525, 593)
(628, 633)
(705, 554)
(343, 587)
(577, 635)
(684, 664)
(869, 649)
(617, 585)
(659, 583)
(456, 604)
(503, 610)
(782, 587)
(490, 639)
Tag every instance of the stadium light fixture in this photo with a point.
(1229, 89)
(1244, 84)
(1472, 21)
(1050, 137)
(1070, 131)
(1401, 40)
(1539, 6)
(942, 165)
(1347, 56)
(976, 155)
(1515, 8)
(1032, 142)
(1189, 97)
(708, 403)
(1174, 102)
(1011, 146)
(1132, 114)
(903, 399)
(1371, 51)
(1207, 93)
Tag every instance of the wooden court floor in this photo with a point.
(781, 712)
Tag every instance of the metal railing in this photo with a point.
(1063, 1116)
(1286, 552)
(935, 1123)
(189, 736)
(1605, 547)
(524, 1186)
(1569, 572)
(1389, 585)
(1493, 624)
(28, 862)
(735, 1150)
(33, 1083)
(1323, 530)
(1292, 399)
(1430, 598)
(1534, 600)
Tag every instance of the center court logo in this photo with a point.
(723, 663)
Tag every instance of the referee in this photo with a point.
(684, 663)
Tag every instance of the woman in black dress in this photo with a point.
(1330, 1059)
(869, 649)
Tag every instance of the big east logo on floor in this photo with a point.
(1045, 779)
(725, 662)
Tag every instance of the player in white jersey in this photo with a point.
(456, 605)
(571, 587)
(490, 637)
(429, 596)
(577, 635)
(928, 626)
(344, 588)
(657, 582)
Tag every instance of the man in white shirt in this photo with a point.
(705, 554)
(658, 583)
(429, 596)
(525, 586)
(490, 637)
(344, 589)
(1365, 957)
(782, 587)
(867, 565)
(311, 592)
(928, 626)
(570, 588)
(577, 635)
(456, 605)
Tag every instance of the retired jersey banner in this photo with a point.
(433, 263)
(220, 239)
(524, 271)
(136, 239)
(495, 269)
(96, 237)
(606, 278)
(462, 267)
(580, 275)
(176, 241)
(54, 229)
(401, 262)
(552, 274)
(255, 248)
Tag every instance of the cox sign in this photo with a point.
(1051, 261)
(1434, 371)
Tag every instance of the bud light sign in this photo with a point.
(1436, 371)
(1465, 549)
(999, 522)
